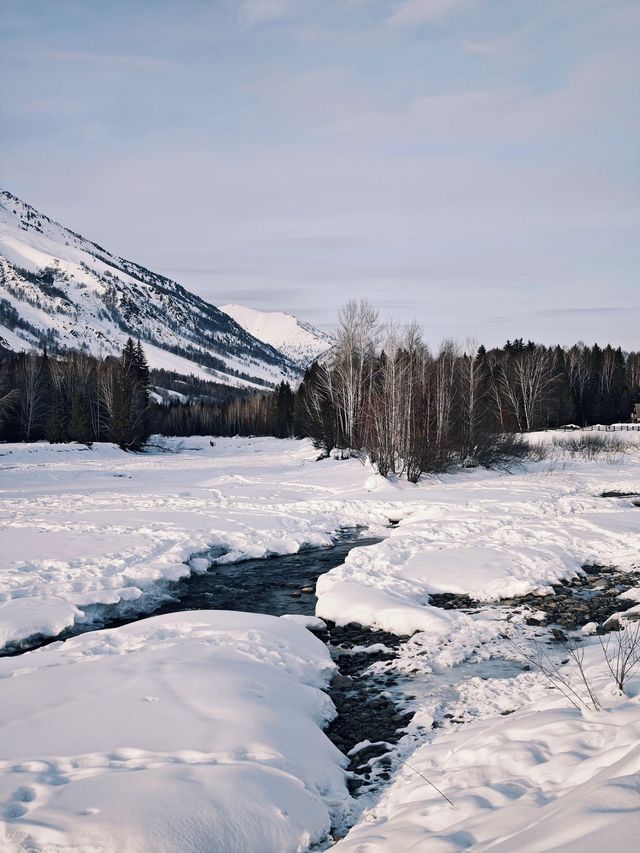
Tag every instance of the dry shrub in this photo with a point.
(592, 445)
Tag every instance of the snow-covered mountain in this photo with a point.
(58, 288)
(299, 341)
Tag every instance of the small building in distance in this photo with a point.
(635, 414)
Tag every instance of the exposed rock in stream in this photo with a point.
(592, 597)
(366, 710)
(370, 721)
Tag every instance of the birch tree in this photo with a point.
(33, 398)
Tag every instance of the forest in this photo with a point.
(76, 397)
(381, 392)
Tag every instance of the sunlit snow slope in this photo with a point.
(299, 341)
(58, 288)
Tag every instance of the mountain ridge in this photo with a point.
(59, 289)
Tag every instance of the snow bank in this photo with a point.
(193, 731)
(545, 778)
(35, 615)
(490, 536)
(101, 526)
(177, 730)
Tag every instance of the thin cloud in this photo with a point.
(254, 12)
(412, 12)
(114, 60)
(279, 297)
(571, 312)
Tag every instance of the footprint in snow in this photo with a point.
(18, 806)
(25, 794)
(14, 811)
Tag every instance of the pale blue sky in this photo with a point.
(474, 164)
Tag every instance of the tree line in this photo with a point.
(76, 397)
(414, 411)
(381, 392)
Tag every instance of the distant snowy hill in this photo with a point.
(59, 289)
(299, 341)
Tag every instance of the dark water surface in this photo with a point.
(274, 585)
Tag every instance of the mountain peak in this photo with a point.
(301, 342)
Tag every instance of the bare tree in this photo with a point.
(622, 652)
(8, 401)
(386, 407)
(444, 389)
(534, 374)
(33, 399)
(102, 411)
(579, 374)
(494, 380)
(357, 338)
(471, 392)
(9, 397)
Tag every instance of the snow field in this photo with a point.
(491, 536)
(167, 733)
(82, 527)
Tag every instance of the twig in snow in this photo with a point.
(558, 678)
(435, 787)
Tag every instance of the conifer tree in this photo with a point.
(129, 413)
(142, 367)
(282, 410)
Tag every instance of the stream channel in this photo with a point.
(373, 698)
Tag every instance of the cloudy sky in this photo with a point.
(473, 164)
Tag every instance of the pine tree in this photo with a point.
(129, 354)
(129, 422)
(282, 410)
(142, 366)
